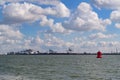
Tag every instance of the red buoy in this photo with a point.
(99, 54)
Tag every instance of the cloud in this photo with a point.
(104, 46)
(115, 16)
(44, 2)
(35, 43)
(46, 22)
(58, 28)
(117, 25)
(55, 43)
(105, 22)
(10, 38)
(55, 27)
(19, 13)
(58, 10)
(85, 19)
(108, 44)
(62, 10)
(88, 44)
(113, 5)
(9, 32)
(109, 4)
(101, 36)
(48, 42)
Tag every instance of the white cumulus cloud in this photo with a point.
(113, 5)
(19, 13)
(55, 27)
(115, 16)
(10, 38)
(9, 32)
(109, 4)
(28, 12)
(101, 36)
(117, 25)
(42, 2)
(85, 19)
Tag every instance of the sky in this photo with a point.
(82, 25)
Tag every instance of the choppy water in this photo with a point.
(59, 67)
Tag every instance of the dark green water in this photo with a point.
(59, 67)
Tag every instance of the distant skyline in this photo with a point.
(83, 25)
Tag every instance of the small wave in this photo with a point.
(11, 77)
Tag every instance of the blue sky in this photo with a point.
(83, 25)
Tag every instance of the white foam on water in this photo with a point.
(12, 77)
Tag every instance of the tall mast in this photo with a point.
(116, 50)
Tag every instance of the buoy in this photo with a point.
(99, 54)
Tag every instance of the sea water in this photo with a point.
(59, 67)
